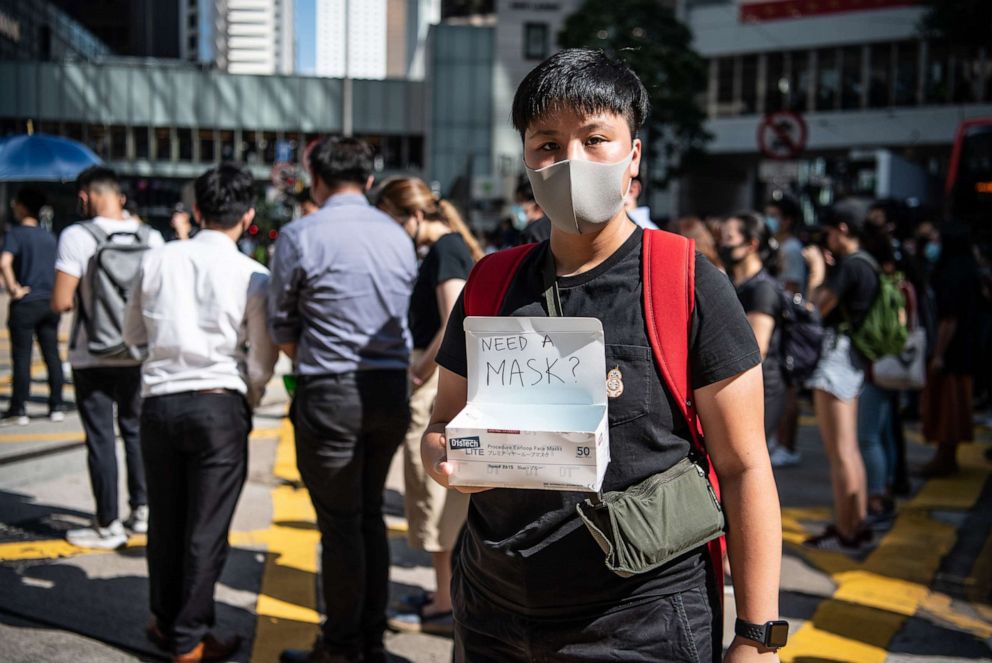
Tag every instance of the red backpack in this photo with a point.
(669, 264)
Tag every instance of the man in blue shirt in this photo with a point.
(340, 290)
(27, 264)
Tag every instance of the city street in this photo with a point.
(922, 593)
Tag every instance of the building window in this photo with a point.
(852, 83)
(535, 41)
(800, 80)
(907, 73)
(725, 87)
(227, 146)
(185, 138)
(140, 142)
(749, 84)
(776, 82)
(163, 145)
(827, 80)
(937, 87)
(208, 151)
(879, 75)
(118, 142)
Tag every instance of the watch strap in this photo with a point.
(750, 631)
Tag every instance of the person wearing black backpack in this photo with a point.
(746, 248)
(104, 370)
(844, 301)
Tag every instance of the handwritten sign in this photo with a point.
(536, 360)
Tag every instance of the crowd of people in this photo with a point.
(177, 342)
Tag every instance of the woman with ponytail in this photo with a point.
(747, 249)
(434, 514)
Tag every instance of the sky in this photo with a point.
(305, 19)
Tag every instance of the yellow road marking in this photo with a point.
(873, 600)
(286, 611)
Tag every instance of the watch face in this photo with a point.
(778, 634)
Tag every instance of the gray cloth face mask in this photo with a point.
(579, 196)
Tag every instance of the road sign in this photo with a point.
(782, 135)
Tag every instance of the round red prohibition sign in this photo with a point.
(782, 135)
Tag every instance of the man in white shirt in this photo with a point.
(102, 382)
(200, 308)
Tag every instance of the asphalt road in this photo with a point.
(922, 593)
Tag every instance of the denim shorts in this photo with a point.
(840, 371)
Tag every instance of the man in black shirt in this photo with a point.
(538, 227)
(529, 580)
(843, 301)
(27, 265)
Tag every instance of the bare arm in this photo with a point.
(452, 392)
(735, 439)
(447, 295)
(945, 332)
(825, 301)
(16, 290)
(64, 291)
(762, 325)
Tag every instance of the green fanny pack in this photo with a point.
(653, 522)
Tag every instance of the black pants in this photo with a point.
(348, 428)
(26, 321)
(196, 455)
(97, 391)
(677, 628)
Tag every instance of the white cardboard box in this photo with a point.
(536, 410)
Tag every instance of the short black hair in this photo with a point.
(852, 212)
(224, 194)
(339, 161)
(788, 206)
(98, 176)
(525, 191)
(31, 199)
(584, 80)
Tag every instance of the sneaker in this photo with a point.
(782, 457)
(110, 537)
(56, 416)
(832, 541)
(9, 418)
(137, 522)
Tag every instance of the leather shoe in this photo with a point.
(156, 636)
(210, 649)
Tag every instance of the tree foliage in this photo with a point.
(658, 47)
(961, 24)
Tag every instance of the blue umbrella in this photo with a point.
(43, 158)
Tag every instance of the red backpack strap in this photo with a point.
(669, 283)
(490, 280)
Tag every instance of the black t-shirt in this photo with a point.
(855, 282)
(448, 259)
(528, 549)
(956, 289)
(536, 231)
(760, 294)
(34, 251)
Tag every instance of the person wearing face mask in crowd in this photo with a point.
(529, 581)
(747, 247)
(801, 271)
(435, 515)
(528, 217)
(641, 215)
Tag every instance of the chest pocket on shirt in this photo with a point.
(636, 366)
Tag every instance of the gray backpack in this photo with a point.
(109, 276)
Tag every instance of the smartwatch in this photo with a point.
(772, 635)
